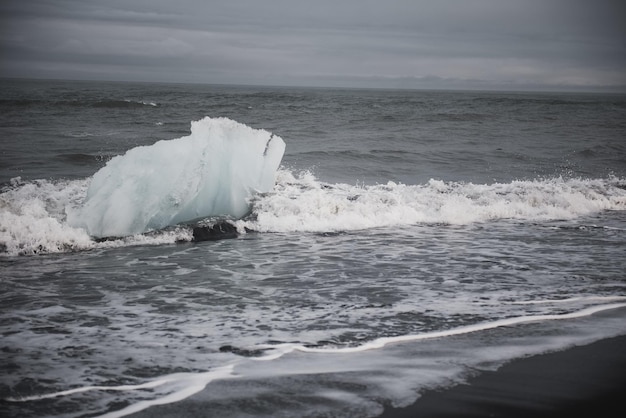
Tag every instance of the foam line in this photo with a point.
(148, 385)
(193, 383)
(192, 386)
(283, 349)
(568, 300)
(199, 379)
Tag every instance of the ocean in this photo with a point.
(412, 239)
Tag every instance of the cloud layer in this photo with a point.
(507, 44)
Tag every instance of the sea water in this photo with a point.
(410, 240)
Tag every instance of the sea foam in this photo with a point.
(33, 215)
(398, 373)
(57, 216)
(302, 203)
(212, 172)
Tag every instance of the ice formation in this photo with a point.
(212, 172)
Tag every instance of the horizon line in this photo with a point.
(495, 88)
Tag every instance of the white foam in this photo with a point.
(301, 203)
(32, 217)
(122, 388)
(179, 386)
(570, 300)
(212, 172)
(282, 349)
(188, 385)
(33, 221)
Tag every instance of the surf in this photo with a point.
(47, 216)
(435, 369)
(302, 203)
(226, 171)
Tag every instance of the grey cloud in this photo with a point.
(409, 43)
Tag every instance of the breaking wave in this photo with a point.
(225, 169)
(33, 215)
(304, 204)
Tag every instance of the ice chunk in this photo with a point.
(212, 172)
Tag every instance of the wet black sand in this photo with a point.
(585, 380)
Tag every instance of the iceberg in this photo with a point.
(212, 172)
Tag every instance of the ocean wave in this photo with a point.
(33, 220)
(99, 103)
(301, 203)
(122, 103)
(33, 215)
(279, 350)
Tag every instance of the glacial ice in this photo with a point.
(212, 172)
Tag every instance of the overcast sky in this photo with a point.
(502, 44)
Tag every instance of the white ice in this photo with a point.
(212, 172)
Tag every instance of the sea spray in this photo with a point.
(301, 203)
(33, 220)
(32, 217)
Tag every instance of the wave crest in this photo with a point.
(302, 203)
(33, 215)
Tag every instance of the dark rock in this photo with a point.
(220, 230)
(106, 239)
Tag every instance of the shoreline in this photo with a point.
(579, 380)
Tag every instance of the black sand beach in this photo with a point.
(581, 381)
